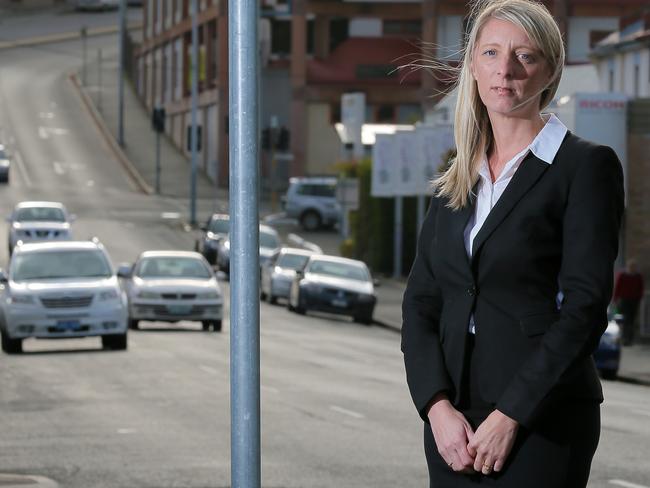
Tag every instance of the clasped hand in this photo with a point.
(466, 451)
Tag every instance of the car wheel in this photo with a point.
(133, 324)
(363, 319)
(263, 295)
(114, 342)
(272, 299)
(310, 220)
(216, 325)
(609, 374)
(11, 346)
(300, 309)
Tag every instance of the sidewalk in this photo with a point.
(139, 154)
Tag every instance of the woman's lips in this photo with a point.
(503, 91)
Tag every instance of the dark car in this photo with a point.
(215, 230)
(608, 354)
(335, 285)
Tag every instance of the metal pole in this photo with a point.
(195, 97)
(397, 251)
(99, 80)
(120, 81)
(84, 79)
(244, 246)
(157, 162)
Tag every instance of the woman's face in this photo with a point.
(508, 69)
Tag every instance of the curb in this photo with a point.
(113, 145)
(386, 325)
(19, 481)
(64, 36)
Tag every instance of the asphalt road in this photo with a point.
(335, 408)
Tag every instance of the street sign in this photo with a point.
(433, 144)
(406, 162)
(384, 165)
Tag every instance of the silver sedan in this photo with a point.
(279, 271)
(170, 286)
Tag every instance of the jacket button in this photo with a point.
(471, 291)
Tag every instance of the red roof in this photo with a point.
(363, 59)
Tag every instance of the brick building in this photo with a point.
(314, 51)
(623, 63)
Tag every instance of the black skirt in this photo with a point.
(556, 452)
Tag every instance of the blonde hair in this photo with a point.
(472, 130)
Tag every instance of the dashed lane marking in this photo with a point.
(22, 168)
(347, 412)
(626, 484)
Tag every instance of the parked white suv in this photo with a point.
(61, 290)
(313, 202)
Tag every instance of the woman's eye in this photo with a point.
(490, 52)
(525, 57)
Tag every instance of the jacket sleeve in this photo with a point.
(426, 373)
(591, 226)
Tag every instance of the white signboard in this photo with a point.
(433, 145)
(407, 162)
(353, 115)
(384, 166)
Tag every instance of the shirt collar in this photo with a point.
(547, 143)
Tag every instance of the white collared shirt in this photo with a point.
(545, 146)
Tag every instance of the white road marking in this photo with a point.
(22, 168)
(45, 132)
(170, 215)
(90, 183)
(46, 115)
(626, 484)
(209, 369)
(345, 411)
(270, 389)
(58, 168)
(126, 431)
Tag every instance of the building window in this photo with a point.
(338, 32)
(281, 37)
(409, 113)
(636, 80)
(402, 27)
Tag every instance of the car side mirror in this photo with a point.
(125, 270)
(376, 282)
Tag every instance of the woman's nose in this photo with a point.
(506, 66)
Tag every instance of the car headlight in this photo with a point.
(208, 294)
(612, 337)
(22, 299)
(148, 294)
(108, 295)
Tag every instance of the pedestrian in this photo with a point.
(508, 294)
(628, 292)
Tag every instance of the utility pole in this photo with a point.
(243, 97)
(120, 81)
(195, 95)
(83, 33)
(99, 79)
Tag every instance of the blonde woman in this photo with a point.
(508, 294)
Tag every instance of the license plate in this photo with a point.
(68, 324)
(340, 303)
(180, 309)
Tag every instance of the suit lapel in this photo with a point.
(525, 177)
(460, 219)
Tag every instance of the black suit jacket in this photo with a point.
(554, 228)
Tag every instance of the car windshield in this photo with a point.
(292, 261)
(43, 214)
(172, 267)
(339, 270)
(47, 265)
(269, 240)
(219, 226)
